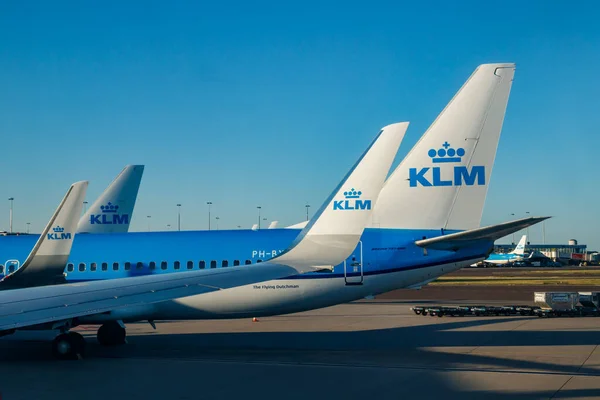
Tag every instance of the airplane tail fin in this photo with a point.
(335, 229)
(49, 256)
(112, 211)
(443, 181)
(273, 224)
(520, 249)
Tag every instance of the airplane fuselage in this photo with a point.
(384, 260)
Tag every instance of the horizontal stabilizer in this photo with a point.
(456, 241)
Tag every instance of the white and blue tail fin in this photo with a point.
(442, 182)
(520, 249)
(273, 225)
(335, 229)
(50, 254)
(112, 211)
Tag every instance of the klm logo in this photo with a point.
(59, 234)
(352, 202)
(445, 176)
(109, 216)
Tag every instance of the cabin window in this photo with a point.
(139, 265)
(202, 264)
(213, 264)
(104, 266)
(224, 263)
(127, 266)
(176, 265)
(70, 267)
(81, 267)
(93, 267)
(258, 261)
(190, 265)
(115, 266)
(152, 265)
(236, 263)
(163, 265)
(1, 269)
(248, 262)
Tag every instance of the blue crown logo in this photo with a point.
(109, 208)
(352, 194)
(58, 229)
(447, 154)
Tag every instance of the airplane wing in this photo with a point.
(328, 239)
(113, 210)
(51, 304)
(456, 241)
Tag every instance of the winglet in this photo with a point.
(50, 254)
(335, 229)
(112, 211)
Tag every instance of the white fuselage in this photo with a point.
(277, 297)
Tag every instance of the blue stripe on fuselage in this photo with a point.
(384, 251)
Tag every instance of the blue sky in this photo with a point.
(269, 104)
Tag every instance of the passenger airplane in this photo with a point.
(518, 254)
(425, 224)
(327, 240)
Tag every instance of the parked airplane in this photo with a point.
(518, 254)
(425, 224)
(327, 240)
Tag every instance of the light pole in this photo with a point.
(148, 216)
(259, 207)
(528, 239)
(513, 240)
(85, 203)
(11, 199)
(29, 223)
(209, 204)
(178, 217)
(307, 207)
(217, 218)
(544, 231)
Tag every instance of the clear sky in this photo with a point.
(270, 103)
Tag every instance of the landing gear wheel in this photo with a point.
(111, 334)
(68, 346)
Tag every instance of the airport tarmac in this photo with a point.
(373, 349)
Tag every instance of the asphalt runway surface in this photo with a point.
(364, 350)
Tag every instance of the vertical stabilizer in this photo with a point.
(443, 181)
(520, 249)
(335, 229)
(46, 262)
(113, 210)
